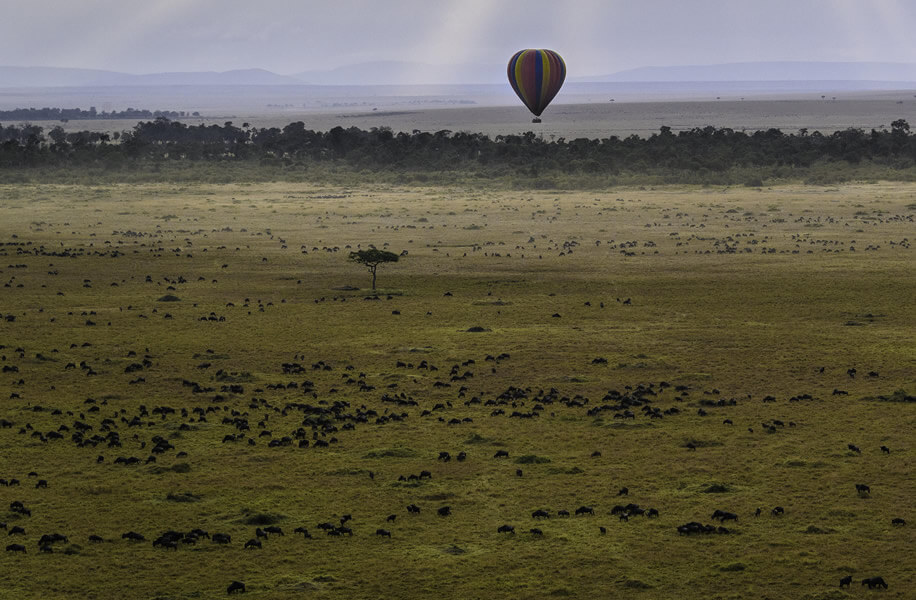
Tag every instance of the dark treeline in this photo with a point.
(77, 114)
(707, 149)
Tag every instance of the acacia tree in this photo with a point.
(372, 258)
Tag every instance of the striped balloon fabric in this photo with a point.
(536, 76)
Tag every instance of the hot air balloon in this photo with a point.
(536, 76)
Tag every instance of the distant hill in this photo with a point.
(768, 71)
(404, 73)
(58, 77)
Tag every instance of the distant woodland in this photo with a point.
(700, 155)
(76, 114)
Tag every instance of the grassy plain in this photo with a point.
(736, 293)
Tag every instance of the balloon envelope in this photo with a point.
(536, 76)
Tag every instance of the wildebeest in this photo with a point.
(413, 508)
(585, 510)
(253, 543)
(778, 511)
(861, 488)
(444, 511)
(273, 529)
(540, 514)
(898, 521)
(305, 532)
(132, 536)
(854, 448)
(505, 529)
(885, 450)
(873, 582)
(501, 454)
(383, 533)
(50, 538)
(16, 530)
(221, 538)
(16, 548)
(623, 492)
(236, 587)
(846, 581)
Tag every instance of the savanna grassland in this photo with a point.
(235, 305)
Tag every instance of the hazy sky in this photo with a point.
(594, 36)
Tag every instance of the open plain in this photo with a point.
(708, 349)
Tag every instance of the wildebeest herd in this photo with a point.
(177, 389)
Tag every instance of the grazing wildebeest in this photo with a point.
(873, 582)
(260, 533)
(861, 488)
(277, 530)
(445, 456)
(132, 536)
(221, 538)
(505, 529)
(602, 529)
(535, 531)
(540, 514)
(16, 530)
(778, 511)
(898, 521)
(585, 510)
(383, 533)
(846, 581)
(305, 532)
(236, 587)
(885, 449)
(652, 512)
(253, 543)
(444, 511)
(623, 492)
(461, 456)
(854, 448)
(726, 516)
(96, 538)
(501, 454)
(562, 513)
(16, 548)
(413, 508)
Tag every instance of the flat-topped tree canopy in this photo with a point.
(372, 258)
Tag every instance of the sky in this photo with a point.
(595, 37)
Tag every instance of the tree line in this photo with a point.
(77, 114)
(706, 149)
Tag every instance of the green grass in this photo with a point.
(741, 325)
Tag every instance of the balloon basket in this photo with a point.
(536, 120)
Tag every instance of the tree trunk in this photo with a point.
(372, 270)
